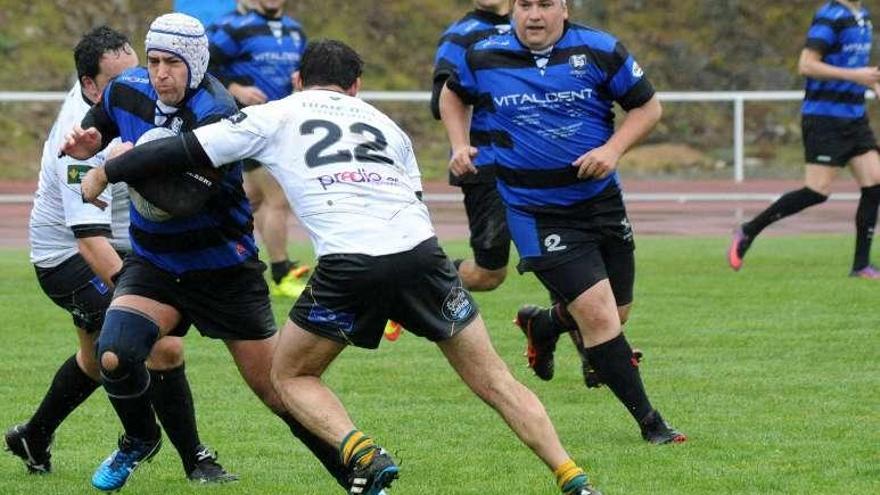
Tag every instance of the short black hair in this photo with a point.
(330, 63)
(92, 46)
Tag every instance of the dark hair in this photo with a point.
(92, 46)
(330, 62)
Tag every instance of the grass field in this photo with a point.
(773, 372)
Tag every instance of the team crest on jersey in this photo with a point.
(295, 36)
(76, 172)
(503, 28)
(577, 62)
(237, 118)
(637, 71)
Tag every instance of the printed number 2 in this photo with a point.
(370, 151)
(551, 242)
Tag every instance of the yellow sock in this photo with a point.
(357, 446)
(568, 474)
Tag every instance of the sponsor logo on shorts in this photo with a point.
(354, 177)
(458, 305)
(320, 315)
(627, 229)
(823, 159)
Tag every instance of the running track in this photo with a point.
(648, 217)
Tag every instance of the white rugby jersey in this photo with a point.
(349, 172)
(58, 204)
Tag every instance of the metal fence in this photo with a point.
(738, 99)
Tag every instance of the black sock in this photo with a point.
(70, 388)
(280, 269)
(172, 400)
(326, 453)
(137, 416)
(866, 220)
(789, 204)
(561, 319)
(613, 362)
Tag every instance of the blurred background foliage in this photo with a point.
(684, 45)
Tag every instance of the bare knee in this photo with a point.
(167, 354)
(109, 361)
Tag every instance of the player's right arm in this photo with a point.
(811, 65)
(101, 257)
(456, 119)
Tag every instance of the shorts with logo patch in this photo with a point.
(487, 219)
(350, 297)
(73, 286)
(581, 245)
(229, 303)
(834, 142)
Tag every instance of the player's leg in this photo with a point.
(254, 360)
(73, 287)
(489, 238)
(132, 326)
(173, 403)
(271, 213)
(826, 148)
(471, 354)
(866, 170)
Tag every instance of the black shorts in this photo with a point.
(350, 297)
(487, 219)
(73, 286)
(834, 142)
(249, 164)
(229, 303)
(582, 245)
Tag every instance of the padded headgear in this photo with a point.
(183, 36)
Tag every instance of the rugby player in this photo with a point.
(545, 91)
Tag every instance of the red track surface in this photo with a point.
(668, 218)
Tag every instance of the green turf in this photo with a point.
(772, 372)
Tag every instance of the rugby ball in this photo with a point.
(164, 197)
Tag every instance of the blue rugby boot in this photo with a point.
(116, 469)
(373, 478)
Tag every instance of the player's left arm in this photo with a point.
(600, 162)
(629, 87)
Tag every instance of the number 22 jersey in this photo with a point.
(348, 171)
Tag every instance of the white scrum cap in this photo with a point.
(183, 36)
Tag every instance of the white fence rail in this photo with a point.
(737, 98)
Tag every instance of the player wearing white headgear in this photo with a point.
(171, 279)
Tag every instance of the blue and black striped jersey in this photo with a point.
(475, 26)
(221, 235)
(253, 50)
(543, 111)
(843, 38)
